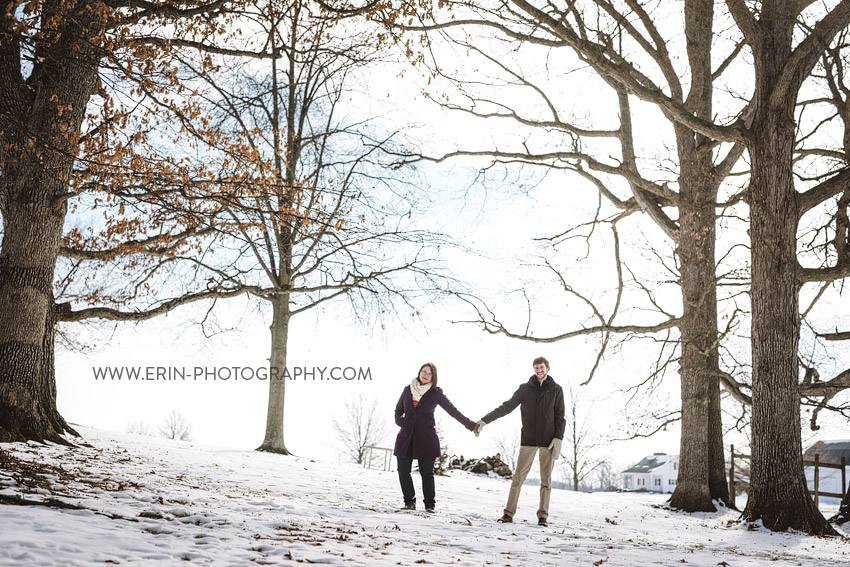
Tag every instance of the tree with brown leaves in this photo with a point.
(57, 58)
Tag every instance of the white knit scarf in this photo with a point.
(418, 390)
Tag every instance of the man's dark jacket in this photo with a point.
(542, 409)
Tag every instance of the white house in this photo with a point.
(656, 473)
(829, 480)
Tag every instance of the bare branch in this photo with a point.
(835, 185)
(746, 21)
(734, 387)
(624, 73)
(728, 61)
(804, 57)
(66, 313)
(826, 390)
(201, 46)
(837, 336)
(497, 329)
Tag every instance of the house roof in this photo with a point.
(651, 463)
(829, 451)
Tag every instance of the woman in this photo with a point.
(418, 439)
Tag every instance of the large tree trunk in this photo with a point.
(701, 464)
(40, 119)
(778, 490)
(778, 493)
(701, 438)
(27, 318)
(718, 483)
(273, 441)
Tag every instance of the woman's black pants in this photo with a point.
(426, 471)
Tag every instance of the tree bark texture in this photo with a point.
(718, 483)
(701, 438)
(40, 118)
(701, 459)
(778, 494)
(281, 315)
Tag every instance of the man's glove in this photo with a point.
(555, 447)
(479, 425)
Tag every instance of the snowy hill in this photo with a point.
(145, 501)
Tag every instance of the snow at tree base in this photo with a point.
(130, 499)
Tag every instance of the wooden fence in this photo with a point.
(815, 492)
(378, 455)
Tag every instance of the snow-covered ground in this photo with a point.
(147, 501)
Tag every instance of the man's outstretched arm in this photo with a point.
(504, 409)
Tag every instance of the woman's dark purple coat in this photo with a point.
(417, 424)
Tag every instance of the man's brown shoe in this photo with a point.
(542, 522)
(505, 519)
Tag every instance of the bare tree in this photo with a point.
(630, 55)
(313, 212)
(293, 204)
(53, 63)
(175, 426)
(604, 477)
(360, 426)
(507, 445)
(139, 428)
(581, 443)
(786, 40)
(824, 238)
(778, 490)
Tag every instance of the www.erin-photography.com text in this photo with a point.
(229, 373)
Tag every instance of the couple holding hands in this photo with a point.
(541, 403)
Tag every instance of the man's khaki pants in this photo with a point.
(523, 465)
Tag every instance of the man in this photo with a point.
(543, 424)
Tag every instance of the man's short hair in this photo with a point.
(540, 360)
